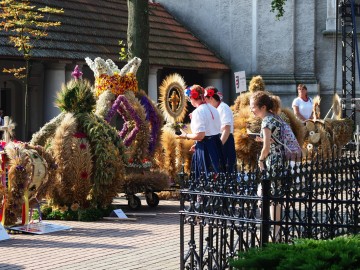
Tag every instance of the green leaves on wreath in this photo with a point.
(76, 96)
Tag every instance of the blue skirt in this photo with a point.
(208, 156)
(230, 155)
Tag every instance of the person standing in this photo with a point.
(214, 97)
(205, 126)
(303, 104)
(272, 154)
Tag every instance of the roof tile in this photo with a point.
(93, 28)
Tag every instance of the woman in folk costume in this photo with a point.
(214, 97)
(205, 126)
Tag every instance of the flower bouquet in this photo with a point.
(176, 126)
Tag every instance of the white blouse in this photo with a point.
(226, 116)
(205, 118)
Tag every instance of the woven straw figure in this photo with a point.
(141, 122)
(326, 138)
(87, 150)
(31, 172)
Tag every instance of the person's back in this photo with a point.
(214, 97)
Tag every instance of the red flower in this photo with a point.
(194, 94)
(79, 135)
(82, 146)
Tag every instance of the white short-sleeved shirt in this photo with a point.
(305, 107)
(226, 116)
(205, 118)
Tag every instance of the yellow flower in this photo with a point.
(117, 84)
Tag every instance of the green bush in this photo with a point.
(304, 254)
(89, 214)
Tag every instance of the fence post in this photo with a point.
(182, 206)
(265, 211)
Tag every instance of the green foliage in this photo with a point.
(338, 253)
(54, 215)
(123, 54)
(25, 23)
(278, 5)
(89, 214)
(76, 97)
(108, 149)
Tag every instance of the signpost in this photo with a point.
(240, 81)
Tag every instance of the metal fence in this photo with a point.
(222, 215)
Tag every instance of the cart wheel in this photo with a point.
(134, 202)
(152, 199)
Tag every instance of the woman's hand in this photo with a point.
(261, 165)
(183, 135)
(192, 148)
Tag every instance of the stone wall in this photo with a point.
(298, 48)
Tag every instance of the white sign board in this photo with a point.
(240, 81)
(40, 228)
(120, 213)
(3, 234)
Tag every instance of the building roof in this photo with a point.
(93, 28)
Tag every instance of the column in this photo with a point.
(331, 15)
(54, 78)
(152, 84)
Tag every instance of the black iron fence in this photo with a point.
(222, 215)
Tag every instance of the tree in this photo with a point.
(138, 38)
(25, 24)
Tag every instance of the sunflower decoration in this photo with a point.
(172, 99)
(88, 151)
(173, 105)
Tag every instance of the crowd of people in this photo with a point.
(212, 127)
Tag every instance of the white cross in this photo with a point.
(8, 128)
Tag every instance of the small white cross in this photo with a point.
(8, 129)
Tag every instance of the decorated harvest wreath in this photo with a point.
(173, 153)
(172, 98)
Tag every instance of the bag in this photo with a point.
(292, 148)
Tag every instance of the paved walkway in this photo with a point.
(150, 242)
